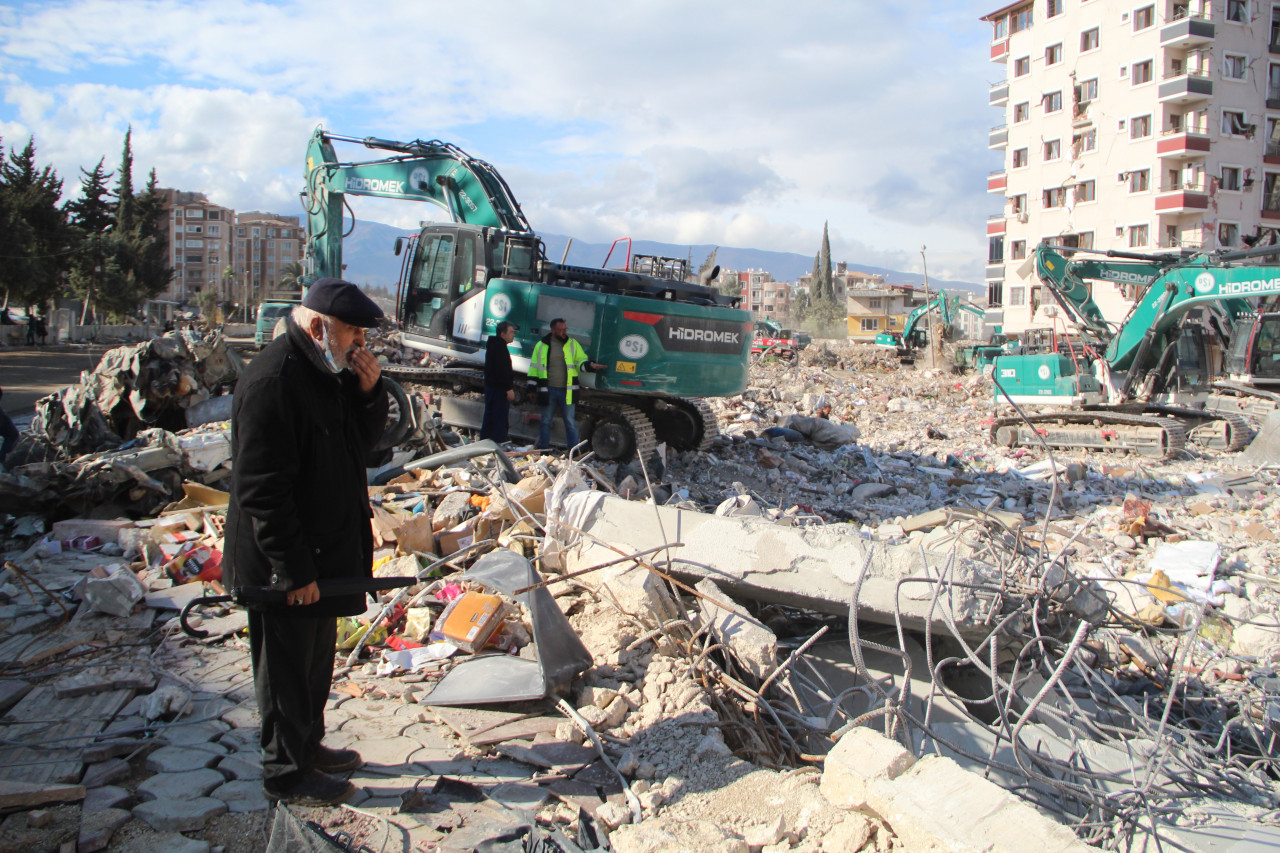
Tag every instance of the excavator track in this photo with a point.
(1215, 430)
(1254, 404)
(619, 431)
(684, 423)
(1152, 436)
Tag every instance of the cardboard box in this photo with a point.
(456, 538)
(471, 619)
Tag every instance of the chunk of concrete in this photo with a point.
(812, 567)
(937, 804)
(181, 786)
(750, 643)
(861, 757)
(636, 590)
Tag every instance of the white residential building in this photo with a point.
(1134, 126)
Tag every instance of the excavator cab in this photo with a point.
(1254, 356)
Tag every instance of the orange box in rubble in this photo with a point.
(471, 620)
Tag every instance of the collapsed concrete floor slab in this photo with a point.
(809, 567)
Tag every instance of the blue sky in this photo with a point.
(734, 123)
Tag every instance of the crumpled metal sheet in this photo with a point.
(132, 387)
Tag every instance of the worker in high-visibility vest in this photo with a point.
(553, 368)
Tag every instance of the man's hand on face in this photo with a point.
(365, 367)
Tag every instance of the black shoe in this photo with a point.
(329, 760)
(313, 788)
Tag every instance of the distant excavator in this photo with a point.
(913, 337)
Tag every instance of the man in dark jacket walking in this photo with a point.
(499, 386)
(306, 413)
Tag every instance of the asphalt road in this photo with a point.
(29, 373)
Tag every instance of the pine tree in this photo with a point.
(91, 214)
(828, 283)
(815, 282)
(37, 239)
(124, 187)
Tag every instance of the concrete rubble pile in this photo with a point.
(908, 641)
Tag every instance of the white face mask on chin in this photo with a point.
(331, 361)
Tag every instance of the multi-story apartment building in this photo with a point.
(199, 244)
(1129, 125)
(874, 307)
(265, 243)
(765, 298)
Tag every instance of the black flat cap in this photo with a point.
(343, 300)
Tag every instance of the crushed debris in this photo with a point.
(871, 632)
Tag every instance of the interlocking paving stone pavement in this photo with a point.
(195, 733)
(240, 768)
(189, 785)
(96, 829)
(179, 815)
(241, 796)
(177, 759)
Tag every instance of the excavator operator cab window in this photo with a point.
(428, 293)
(1266, 348)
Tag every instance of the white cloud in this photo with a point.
(732, 121)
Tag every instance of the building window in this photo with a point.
(1137, 236)
(1022, 66)
(1052, 8)
(195, 229)
(1140, 181)
(875, 303)
(1021, 112)
(1140, 127)
(1144, 18)
(1020, 21)
(1086, 91)
(195, 214)
(1020, 158)
(999, 29)
(1019, 203)
(1056, 197)
(1230, 179)
(1052, 102)
(1053, 54)
(195, 259)
(1017, 250)
(177, 214)
(1086, 191)
(215, 214)
(1017, 296)
(240, 232)
(1142, 73)
(995, 294)
(1238, 11)
(215, 230)
(1052, 150)
(1228, 234)
(1234, 66)
(870, 324)
(1084, 142)
(1233, 124)
(1089, 40)
(995, 250)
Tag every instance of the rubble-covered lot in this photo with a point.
(911, 640)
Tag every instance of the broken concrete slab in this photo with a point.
(814, 568)
(860, 758)
(750, 643)
(106, 797)
(241, 796)
(179, 759)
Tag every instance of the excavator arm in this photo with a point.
(435, 172)
(913, 319)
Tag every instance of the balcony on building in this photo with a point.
(1270, 156)
(1000, 50)
(1273, 97)
(997, 181)
(1080, 114)
(999, 93)
(1182, 197)
(1183, 145)
(999, 136)
(995, 270)
(1187, 33)
(1186, 88)
(995, 225)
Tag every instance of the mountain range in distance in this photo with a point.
(369, 258)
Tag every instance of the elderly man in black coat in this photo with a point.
(306, 413)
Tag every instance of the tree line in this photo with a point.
(107, 246)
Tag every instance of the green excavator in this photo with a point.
(1193, 361)
(913, 338)
(666, 342)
